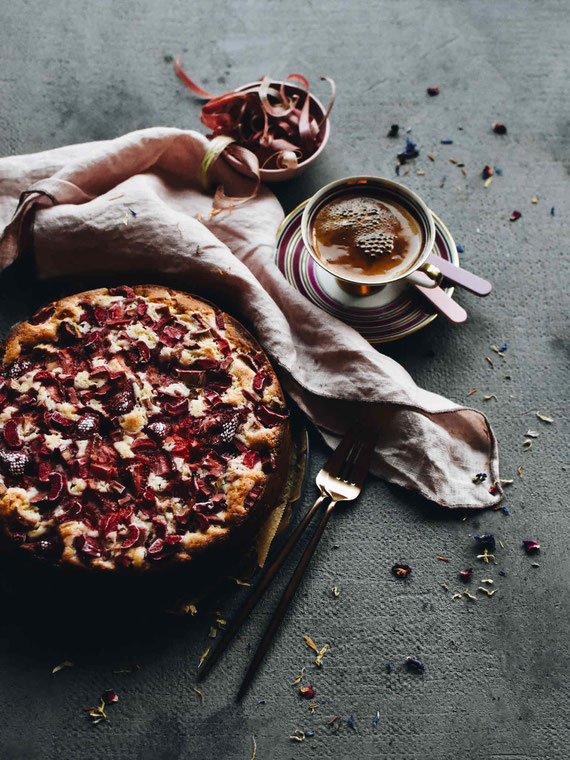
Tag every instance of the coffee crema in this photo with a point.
(366, 235)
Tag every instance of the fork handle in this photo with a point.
(252, 600)
(285, 601)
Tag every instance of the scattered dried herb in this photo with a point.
(351, 722)
(527, 444)
(199, 693)
(485, 557)
(61, 666)
(312, 707)
(532, 433)
(415, 665)
(333, 720)
(499, 129)
(388, 667)
(308, 734)
(490, 361)
(335, 591)
(401, 571)
(515, 215)
(531, 546)
(488, 591)
(544, 417)
(456, 596)
(490, 396)
(485, 541)
(535, 564)
(203, 657)
(213, 632)
(444, 559)
(471, 392)
(490, 581)
(433, 91)
(298, 736)
(310, 643)
(299, 678)
(240, 582)
(431, 156)
(534, 200)
(97, 714)
(488, 182)
(376, 719)
(480, 477)
(254, 748)
(470, 596)
(321, 654)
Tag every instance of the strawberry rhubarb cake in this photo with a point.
(139, 428)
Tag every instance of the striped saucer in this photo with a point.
(396, 311)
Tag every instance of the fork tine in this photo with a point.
(361, 464)
(339, 455)
(348, 464)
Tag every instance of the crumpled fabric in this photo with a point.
(77, 201)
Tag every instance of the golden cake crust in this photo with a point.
(155, 430)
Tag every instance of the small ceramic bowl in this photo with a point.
(317, 110)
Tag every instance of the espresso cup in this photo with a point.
(379, 188)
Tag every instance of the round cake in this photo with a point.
(139, 428)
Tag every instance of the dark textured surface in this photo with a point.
(496, 670)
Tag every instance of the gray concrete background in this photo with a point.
(496, 670)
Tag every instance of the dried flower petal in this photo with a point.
(515, 215)
(401, 571)
(376, 719)
(409, 152)
(298, 736)
(351, 723)
(487, 172)
(544, 417)
(307, 692)
(394, 129)
(199, 693)
(335, 591)
(499, 129)
(61, 666)
(465, 575)
(486, 541)
(531, 546)
(480, 477)
(388, 667)
(415, 665)
(433, 91)
(299, 677)
(321, 654)
(310, 643)
(109, 697)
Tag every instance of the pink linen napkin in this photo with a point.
(77, 200)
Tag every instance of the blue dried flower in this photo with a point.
(409, 152)
(447, 141)
(415, 665)
(388, 667)
(351, 722)
(498, 170)
(504, 347)
(480, 477)
(459, 248)
(376, 719)
(506, 510)
(502, 572)
(553, 211)
(308, 734)
(486, 541)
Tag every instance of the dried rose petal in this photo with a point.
(499, 129)
(531, 546)
(515, 215)
(307, 692)
(487, 172)
(465, 575)
(402, 571)
(433, 91)
(109, 696)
